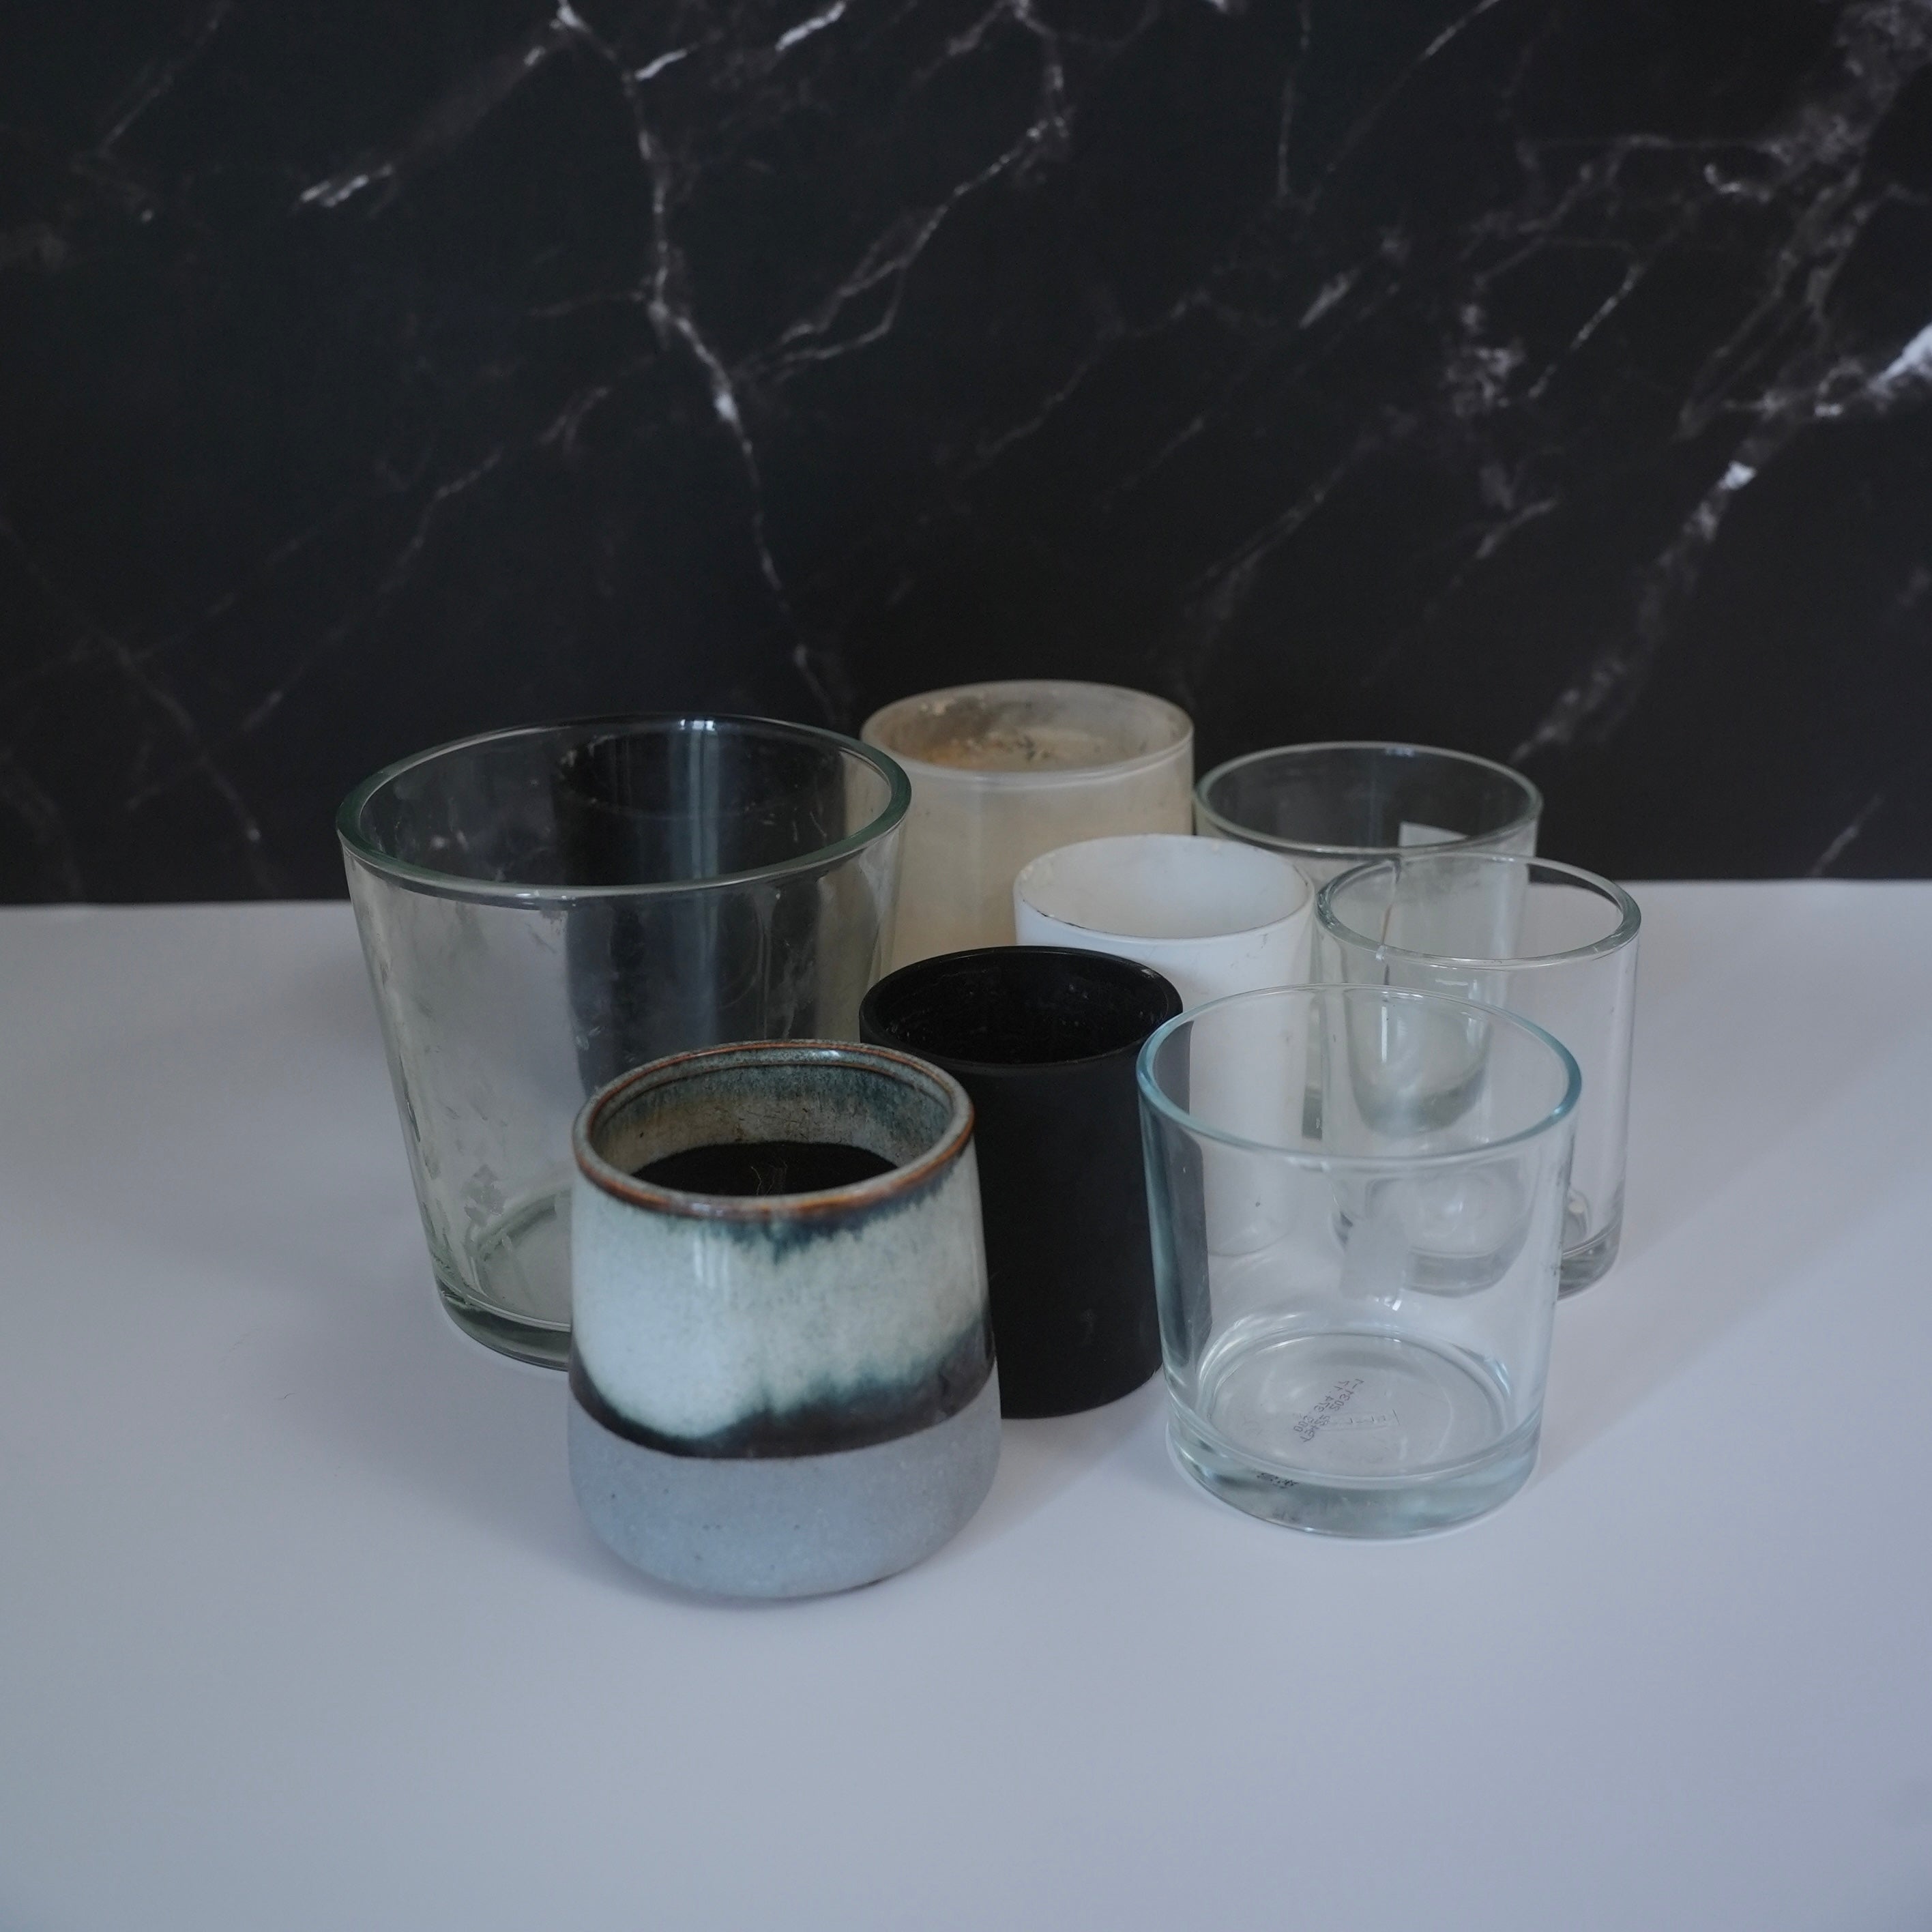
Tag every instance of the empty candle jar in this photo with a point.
(1002, 773)
(1212, 917)
(781, 1374)
(1551, 942)
(542, 908)
(1043, 1038)
(1373, 1363)
(1329, 807)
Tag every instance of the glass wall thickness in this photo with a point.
(1356, 1322)
(541, 909)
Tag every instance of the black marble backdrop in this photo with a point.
(1549, 377)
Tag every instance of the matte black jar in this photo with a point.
(1044, 1038)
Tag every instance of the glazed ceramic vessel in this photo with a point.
(1043, 1038)
(780, 1394)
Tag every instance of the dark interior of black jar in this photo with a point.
(1019, 1006)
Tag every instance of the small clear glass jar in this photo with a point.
(1356, 1318)
(1551, 942)
(1329, 807)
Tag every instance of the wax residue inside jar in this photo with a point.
(974, 734)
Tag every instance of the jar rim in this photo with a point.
(1156, 1096)
(1629, 917)
(1179, 723)
(900, 1181)
(1230, 828)
(432, 880)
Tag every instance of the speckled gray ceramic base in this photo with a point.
(786, 1526)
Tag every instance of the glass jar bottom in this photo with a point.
(519, 1301)
(1349, 1433)
(1584, 1261)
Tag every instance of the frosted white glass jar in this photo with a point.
(1002, 771)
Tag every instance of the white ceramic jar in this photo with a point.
(1214, 918)
(1210, 916)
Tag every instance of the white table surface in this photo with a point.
(299, 1627)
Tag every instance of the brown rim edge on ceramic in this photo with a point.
(856, 1194)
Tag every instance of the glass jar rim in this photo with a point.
(1630, 916)
(971, 775)
(1156, 1096)
(1233, 829)
(490, 892)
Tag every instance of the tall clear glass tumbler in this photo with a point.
(1356, 1324)
(1330, 807)
(1551, 942)
(541, 909)
(1002, 771)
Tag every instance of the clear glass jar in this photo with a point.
(1356, 1320)
(543, 908)
(1329, 807)
(1554, 943)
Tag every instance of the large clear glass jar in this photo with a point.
(543, 908)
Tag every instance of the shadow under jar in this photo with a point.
(1043, 1038)
(1551, 942)
(541, 908)
(1356, 1322)
(1329, 807)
